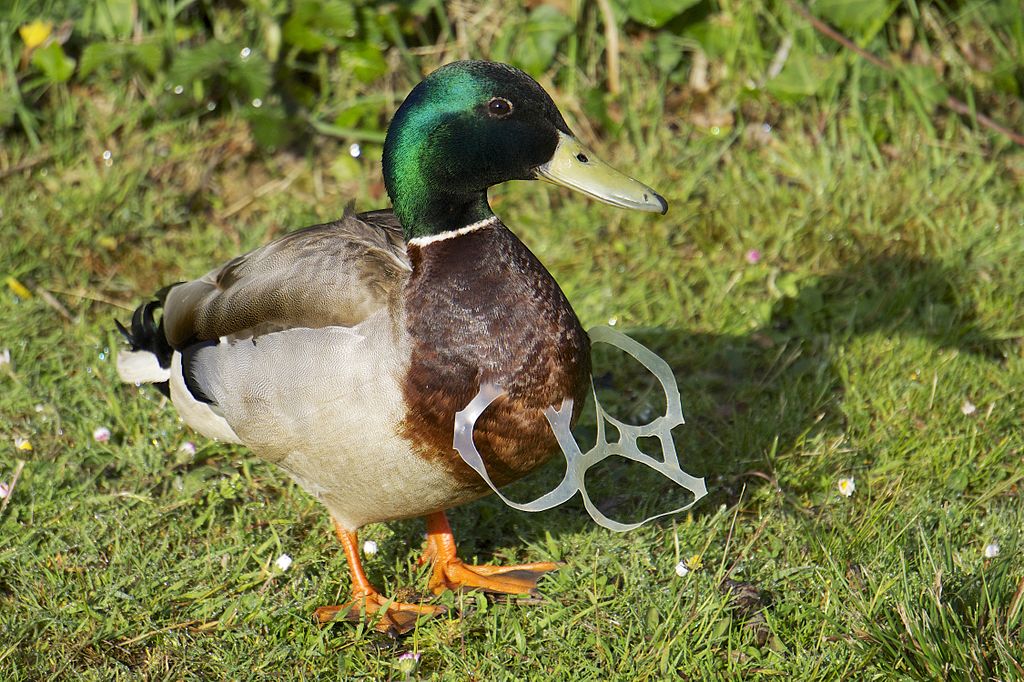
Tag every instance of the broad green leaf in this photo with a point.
(198, 63)
(56, 66)
(297, 33)
(718, 35)
(366, 62)
(97, 55)
(247, 77)
(146, 55)
(788, 284)
(539, 37)
(669, 52)
(421, 9)
(250, 77)
(111, 19)
(270, 127)
(802, 76)
(858, 18)
(360, 114)
(317, 24)
(655, 13)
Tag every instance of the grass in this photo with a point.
(884, 305)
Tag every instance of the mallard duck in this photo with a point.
(341, 352)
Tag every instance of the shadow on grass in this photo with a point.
(749, 399)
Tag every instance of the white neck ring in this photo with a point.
(472, 227)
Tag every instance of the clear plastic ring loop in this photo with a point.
(577, 462)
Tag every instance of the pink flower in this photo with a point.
(753, 256)
(101, 435)
(408, 662)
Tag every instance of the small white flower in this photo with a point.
(992, 550)
(187, 448)
(408, 662)
(968, 407)
(682, 569)
(101, 435)
(5, 357)
(283, 562)
(847, 486)
(369, 548)
(5, 489)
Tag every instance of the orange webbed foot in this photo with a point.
(388, 616)
(457, 576)
(450, 573)
(391, 617)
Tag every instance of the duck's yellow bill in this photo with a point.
(575, 167)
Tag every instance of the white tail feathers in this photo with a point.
(140, 367)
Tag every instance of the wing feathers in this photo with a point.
(336, 274)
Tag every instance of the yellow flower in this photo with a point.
(695, 562)
(19, 289)
(36, 33)
(23, 444)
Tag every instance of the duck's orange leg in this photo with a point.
(450, 573)
(393, 617)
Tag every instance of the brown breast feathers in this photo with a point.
(481, 308)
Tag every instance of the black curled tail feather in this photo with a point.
(147, 333)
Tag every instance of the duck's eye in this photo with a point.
(499, 107)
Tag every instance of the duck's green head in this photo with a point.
(470, 125)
